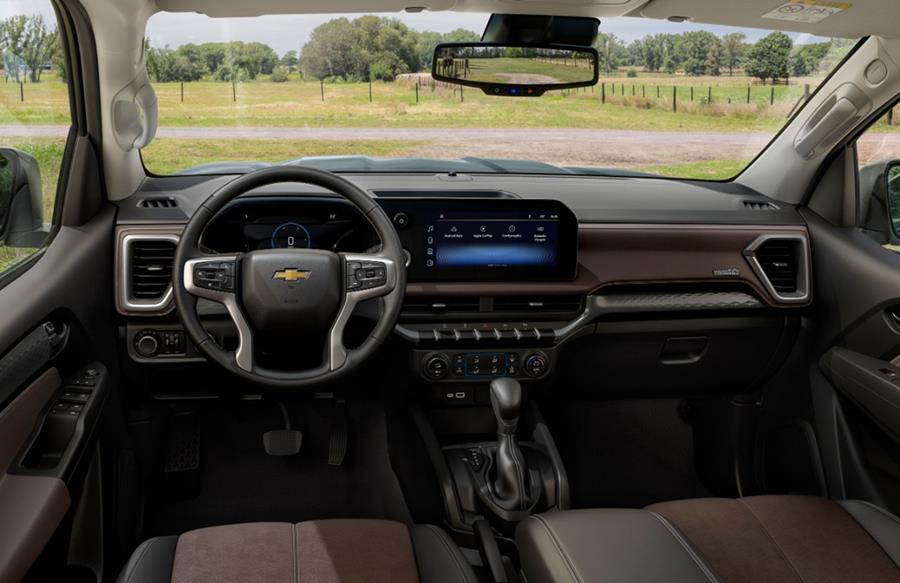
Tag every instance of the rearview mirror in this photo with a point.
(515, 70)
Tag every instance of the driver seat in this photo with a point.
(319, 551)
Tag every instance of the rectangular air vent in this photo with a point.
(537, 304)
(782, 263)
(759, 205)
(779, 260)
(441, 305)
(158, 203)
(151, 269)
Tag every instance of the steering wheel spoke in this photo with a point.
(216, 278)
(366, 276)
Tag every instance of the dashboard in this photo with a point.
(512, 275)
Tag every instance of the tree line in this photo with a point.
(694, 53)
(363, 49)
(372, 47)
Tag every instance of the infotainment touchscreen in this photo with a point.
(484, 239)
(495, 240)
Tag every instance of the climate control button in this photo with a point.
(437, 367)
(536, 364)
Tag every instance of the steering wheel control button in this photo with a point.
(536, 365)
(218, 276)
(367, 275)
(437, 367)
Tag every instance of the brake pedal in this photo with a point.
(283, 442)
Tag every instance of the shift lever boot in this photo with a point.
(509, 485)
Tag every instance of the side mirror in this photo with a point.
(21, 200)
(524, 70)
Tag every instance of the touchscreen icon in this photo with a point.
(429, 263)
(453, 229)
(430, 228)
(512, 228)
(482, 228)
(430, 240)
(429, 251)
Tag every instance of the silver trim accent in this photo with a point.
(125, 297)
(243, 356)
(337, 352)
(803, 267)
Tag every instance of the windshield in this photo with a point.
(354, 93)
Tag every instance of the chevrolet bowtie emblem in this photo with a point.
(291, 274)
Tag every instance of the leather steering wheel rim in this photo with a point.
(334, 366)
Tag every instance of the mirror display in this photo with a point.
(530, 70)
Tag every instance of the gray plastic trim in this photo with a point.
(803, 267)
(125, 298)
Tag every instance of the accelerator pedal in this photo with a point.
(337, 446)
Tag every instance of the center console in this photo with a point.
(488, 351)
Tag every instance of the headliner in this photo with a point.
(862, 18)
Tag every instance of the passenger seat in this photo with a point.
(771, 539)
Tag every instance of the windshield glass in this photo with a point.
(354, 93)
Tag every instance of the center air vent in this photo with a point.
(538, 304)
(158, 203)
(759, 205)
(440, 305)
(782, 263)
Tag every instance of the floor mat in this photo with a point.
(241, 483)
(624, 453)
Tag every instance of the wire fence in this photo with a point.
(726, 99)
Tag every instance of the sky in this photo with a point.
(285, 33)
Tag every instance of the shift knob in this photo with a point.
(506, 400)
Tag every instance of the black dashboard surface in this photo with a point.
(592, 199)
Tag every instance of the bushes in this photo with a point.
(279, 75)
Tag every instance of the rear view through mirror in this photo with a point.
(515, 70)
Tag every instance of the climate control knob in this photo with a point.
(437, 366)
(536, 364)
(147, 344)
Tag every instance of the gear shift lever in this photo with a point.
(510, 471)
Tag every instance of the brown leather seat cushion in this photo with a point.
(324, 551)
(780, 539)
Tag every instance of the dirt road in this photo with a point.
(564, 146)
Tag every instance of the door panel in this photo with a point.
(32, 506)
(56, 323)
(857, 287)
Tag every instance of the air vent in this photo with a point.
(440, 305)
(158, 203)
(759, 205)
(538, 304)
(151, 269)
(782, 263)
(779, 261)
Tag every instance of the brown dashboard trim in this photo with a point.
(613, 254)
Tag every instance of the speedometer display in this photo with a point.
(290, 236)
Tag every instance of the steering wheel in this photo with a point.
(278, 292)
